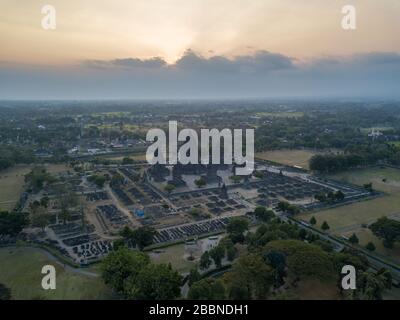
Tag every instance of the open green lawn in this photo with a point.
(11, 185)
(20, 270)
(288, 157)
(12, 182)
(348, 219)
(56, 168)
(175, 255)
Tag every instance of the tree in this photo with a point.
(334, 162)
(143, 237)
(127, 160)
(201, 182)
(368, 187)
(236, 179)
(236, 227)
(41, 220)
(277, 260)
(231, 252)
(155, 282)
(386, 229)
(353, 239)
(217, 254)
(207, 289)
(195, 213)
(303, 234)
(258, 174)
(65, 215)
(119, 243)
(321, 197)
(116, 180)
(140, 237)
(120, 265)
(99, 181)
(128, 237)
(131, 274)
(38, 177)
(263, 214)
(370, 246)
(169, 188)
(325, 226)
(205, 261)
(313, 221)
(287, 207)
(250, 278)
(34, 207)
(44, 202)
(5, 293)
(339, 195)
(370, 286)
(12, 223)
(283, 205)
(194, 276)
(303, 259)
(67, 200)
(324, 244)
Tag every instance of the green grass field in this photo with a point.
(11, 185)
(348, 219)
(174, 255)
(20, 270)
(288, 157)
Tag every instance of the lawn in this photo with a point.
(20, 270)
(288, 157)
(11, 185)
(349, 219)
(56, 168)
(175, 255)
(12, 182)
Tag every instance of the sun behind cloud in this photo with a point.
(100, 29)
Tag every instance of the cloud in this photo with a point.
(155, 62)
(262, 74)
(261, 61)
(377, 58)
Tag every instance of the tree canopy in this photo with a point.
(386, 229)
(207, 289)
(12, 223)
(131, 274)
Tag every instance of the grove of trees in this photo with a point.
(131, 274)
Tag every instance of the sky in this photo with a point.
(125, 49)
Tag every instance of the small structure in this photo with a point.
(139, 213)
